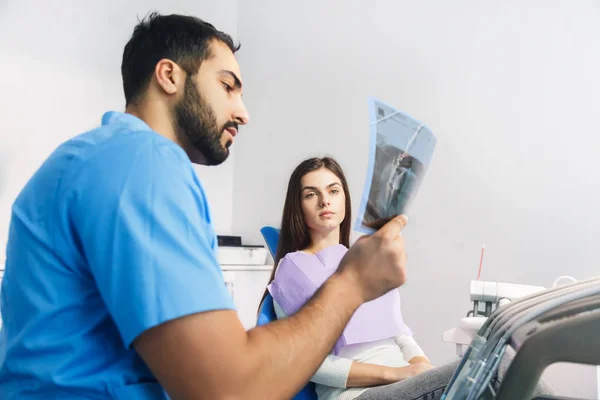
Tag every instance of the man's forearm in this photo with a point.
(209, 354)
(285, 353)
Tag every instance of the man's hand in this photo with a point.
(376, 263)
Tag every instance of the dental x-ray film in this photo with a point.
(400, 151)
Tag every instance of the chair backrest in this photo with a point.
(266, 315)
(271, 236)
(267, 311)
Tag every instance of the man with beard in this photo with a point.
(112, 288)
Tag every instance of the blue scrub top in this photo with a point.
(110, 237)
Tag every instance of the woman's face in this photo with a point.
(323, 200)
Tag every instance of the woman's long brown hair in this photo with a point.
(294, 234)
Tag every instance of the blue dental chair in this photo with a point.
(267, 311)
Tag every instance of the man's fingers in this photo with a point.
(393, 226)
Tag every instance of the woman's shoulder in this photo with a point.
(294, 260)
(293, 255)
(301, 257)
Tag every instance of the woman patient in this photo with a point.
(377, 347)
(376, 358)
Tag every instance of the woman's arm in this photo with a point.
(367, 375)
(344, 373)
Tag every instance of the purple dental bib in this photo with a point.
(300, 274)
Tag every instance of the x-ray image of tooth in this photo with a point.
(400, 151)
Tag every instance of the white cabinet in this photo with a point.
(247, 283)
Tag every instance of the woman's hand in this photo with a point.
(368, 375)
(402, 373)
(419, 359)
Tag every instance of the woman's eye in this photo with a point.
(310, 195)
(335, 191)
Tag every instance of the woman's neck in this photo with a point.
(322, 240)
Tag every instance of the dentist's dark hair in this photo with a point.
(183, 39)
(294, 234)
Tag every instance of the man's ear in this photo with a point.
(169, 76)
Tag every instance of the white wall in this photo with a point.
(61, 71)
(512, 91)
